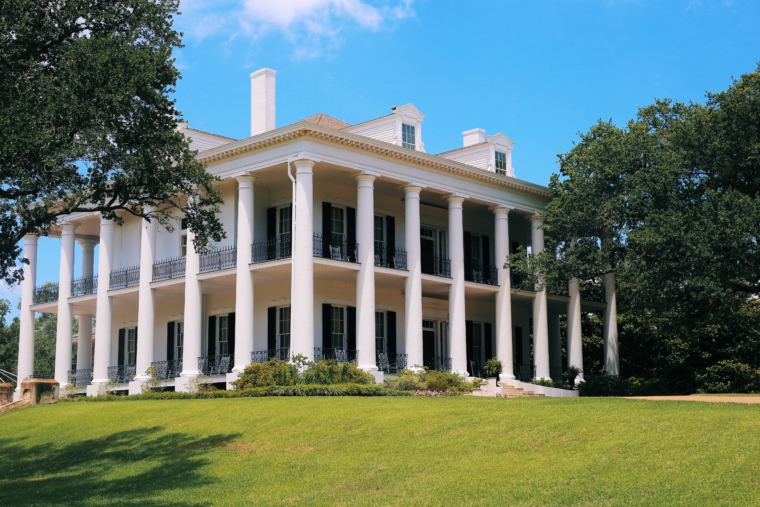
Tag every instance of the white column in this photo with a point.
(146, 309)
(302, 298)
(540, 317)
(574, 333)
(103, 315)
(243, 277)
(504, 349)
(365, 278)
(64, 335)
(611, 358)
(413, 286)
(26, 326)
(191, 347)
(457, 316)
(84, 342)
(555, 346)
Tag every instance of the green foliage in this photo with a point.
(9, 333)
(730, 377)
(430, 380)
(270, 373)
(279, 373)
(329, 372)
(570, 374)
(493, 367)
(614, 385)
(547, 382)
(89, 123)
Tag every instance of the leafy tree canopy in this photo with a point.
(87, 122)
(671, 204)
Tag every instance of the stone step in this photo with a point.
(15, 404)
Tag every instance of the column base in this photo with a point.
(232, 377)
(16, 394)
(503, 377)
(136, 386)
(97, 389)
(183, 383)
(378, 374)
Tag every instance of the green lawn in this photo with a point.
(381, 451)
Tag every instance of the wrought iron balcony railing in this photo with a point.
(524, 372)
(168, 369)
(169, 268)
(334, 249)
(122, 374)
(339, 355)
(482, 274)
(391, 363)
(216, 365)
(272, 249)
(42, 374)
(222, 258)
(395, 259)
(555, 372)
(262, 356)
(86, 285)
(520, 282)
(437, 363)
(127, 277)
(46, 293)
(80, 378)
(437, 266)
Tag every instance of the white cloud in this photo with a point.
(311, 26)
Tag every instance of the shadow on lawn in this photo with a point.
(125, 468)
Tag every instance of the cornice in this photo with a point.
(306, 130)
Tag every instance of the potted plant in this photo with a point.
(493, 368)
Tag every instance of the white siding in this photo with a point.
(477, 156)
(202, 141)
(382, 129)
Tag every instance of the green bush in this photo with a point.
(547, 382)
(279, 373)
(329, 372)
(493, 367)
(613, 385)
(430, 380)
(271, 373)
(730, 377)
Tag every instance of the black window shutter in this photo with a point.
(515, 247)
(326, 326)
(326, 229)
(170, 341)
(390, 243)
(486, 259)
(122, 346)
(488, 339)
(211, 346)
(231, 334)
(272, 327)
(351, 234)
(351, 328)
(468, 256)
(518, 345)
(390, 326)
(137, 342)
(271, 223)
(468, 338)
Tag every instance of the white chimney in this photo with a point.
(262, 101)
(474, 136)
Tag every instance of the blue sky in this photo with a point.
(538, 71)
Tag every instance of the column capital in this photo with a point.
(69, 227)
(500, 211)
(245, 180)
(537, 218)
(31, 239)
(304, 165)
(87, 242)
(454, 199)
(411, 188)
(365, 179)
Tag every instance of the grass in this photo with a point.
(381, 451)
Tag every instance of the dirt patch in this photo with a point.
(721, 399)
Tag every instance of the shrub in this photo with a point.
(571, 374)
(613, 385)
(406, 380)
(493, 367)
(430, 380)
(730, 377)
(329, 372)
(271, 373)
(547, 382)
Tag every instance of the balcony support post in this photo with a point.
(365, 278)
(457, 315)
(302, 266)
(413, 284)
(574, 332)
(146, 310)
(84, 339)
(243, 278)
(103, 314)
(193, 315)
(611, 358)
(26, 326)
(540, 315)
(64, 333)
(504, 349)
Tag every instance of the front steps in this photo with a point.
(488, 388)
(517, 392)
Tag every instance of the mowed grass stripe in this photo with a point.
(382, 451)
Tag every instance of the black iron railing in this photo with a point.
(272, 249)
(221, 258)
(339, 355)
(555, 372)
(42, 374)
(438, 266)
(524, 372)
(127, 277)
(262, 356)
(395, 259)
(518, 281)
(338, 250)
(45, 294)
(80, 378)
(168, 369)
(82, 286)
(122, 374)
(437, 363)
(169, 268)
(482, 274)
(391, 363)
(216, 365)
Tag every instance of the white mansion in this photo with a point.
(343, 241)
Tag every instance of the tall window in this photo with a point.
(379, 235)
(131, 349)
(284, 222)
(283, 327)
(442, 344)
(183, 238)
(408, 136)
(476, 252)
(338, 327)
(338, 225)
(179, 339)
(501, 163)
(222, 335)
(477, 343)
(380, 332)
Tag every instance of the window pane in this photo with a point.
(284, 327)
(285, 220)
(179, 339)
(338, 327)
(501, 163)
(183, 245)
(408, 136)
(380, 331)
(131, 346)
(222, 336)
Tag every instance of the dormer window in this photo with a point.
(501, 163)
(408, 136)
